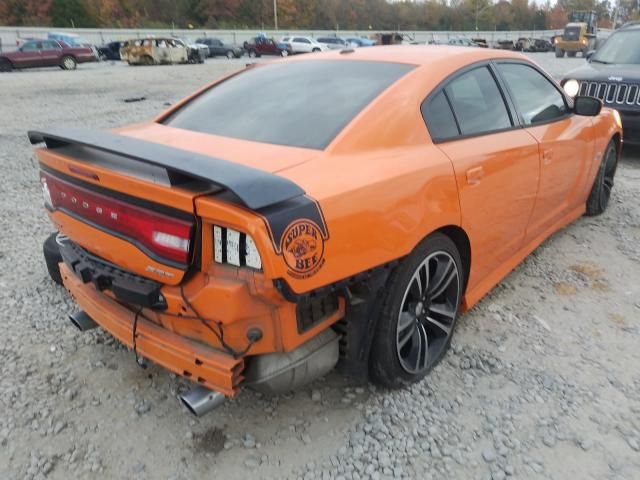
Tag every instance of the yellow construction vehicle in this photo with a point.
(580, 34)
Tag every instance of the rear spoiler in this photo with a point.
(255, 188)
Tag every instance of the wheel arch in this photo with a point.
(463, 244)
(617, 138)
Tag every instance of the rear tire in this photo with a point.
(419, 312)
(68, 63)
(252, 54)
(559, 52)
(603, 184)
(52, 258)
(315, 50)
(230, 55)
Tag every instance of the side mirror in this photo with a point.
(589, 55)
(587, 106)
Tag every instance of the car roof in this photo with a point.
(416, 54)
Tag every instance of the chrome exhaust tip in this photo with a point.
(200, 400)
(82, 321)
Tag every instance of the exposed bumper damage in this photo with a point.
(216, 373)
(204, 365)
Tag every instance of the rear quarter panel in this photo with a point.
(382, 186)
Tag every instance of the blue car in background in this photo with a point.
(361, 41)
(73, 40)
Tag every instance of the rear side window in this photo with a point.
(300, 104)
(50, 45)
(439, 118)
(536, 98)
(477, 102)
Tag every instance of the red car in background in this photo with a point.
(45, 53)
(266, 46)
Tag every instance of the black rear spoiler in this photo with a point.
(255, 188)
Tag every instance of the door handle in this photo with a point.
(474, 175)
(547, 156)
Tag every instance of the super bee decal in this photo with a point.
(302, 248)
(298, 232)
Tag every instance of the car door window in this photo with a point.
(439, 118)
(31, 47)
(477, 102)
(50, 45)
(537, 99)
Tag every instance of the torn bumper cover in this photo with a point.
(205, 366)
(126, 287)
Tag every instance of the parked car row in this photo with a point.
(523, 44)
(67, 50)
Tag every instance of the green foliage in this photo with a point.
(303, 14)
(70, 13)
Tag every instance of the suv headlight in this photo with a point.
(235, 248)
(571, 87)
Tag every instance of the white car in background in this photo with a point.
(303, 44)
(335, 43)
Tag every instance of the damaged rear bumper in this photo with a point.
(203, 365)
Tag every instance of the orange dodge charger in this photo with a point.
(340, 208)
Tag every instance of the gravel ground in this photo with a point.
(543, 380)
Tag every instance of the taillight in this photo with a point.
(235, 248)
(159, 234)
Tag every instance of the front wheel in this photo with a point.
(559, 52)
(68, 63)
(5, 65)
(603, 184)
(419, 313)
(252, 54)
(284, 53)
(230, 55)
(315, 50)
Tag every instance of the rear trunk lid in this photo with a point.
(129, 198)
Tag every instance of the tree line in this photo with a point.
(303, 14)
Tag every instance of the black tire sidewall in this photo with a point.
(594, 202)
(385, 367)
(52, 258)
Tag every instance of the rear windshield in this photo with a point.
(301, 104)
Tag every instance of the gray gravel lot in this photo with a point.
(543, 380)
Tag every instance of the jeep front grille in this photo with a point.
(612, 93)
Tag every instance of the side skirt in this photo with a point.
(473, 296)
